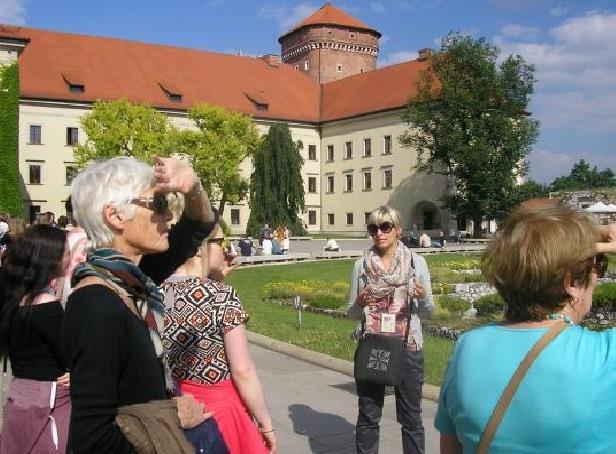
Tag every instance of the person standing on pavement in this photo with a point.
(387, 284)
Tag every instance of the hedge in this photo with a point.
(10, 197)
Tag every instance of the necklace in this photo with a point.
(558, 316)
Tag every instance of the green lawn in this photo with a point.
(319, 332)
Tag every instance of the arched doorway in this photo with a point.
(426, 216)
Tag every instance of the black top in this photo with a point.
(34, 342)
(109, 351)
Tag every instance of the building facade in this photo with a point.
(349, 121)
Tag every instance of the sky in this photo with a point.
(572, 43)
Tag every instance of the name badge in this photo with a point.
(388, 323)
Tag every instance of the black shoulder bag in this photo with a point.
(379, 358)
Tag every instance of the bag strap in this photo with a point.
(505, 399)
(115, 288)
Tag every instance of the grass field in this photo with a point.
(319, 332)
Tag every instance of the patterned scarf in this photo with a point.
(110, 265)
(382, 282)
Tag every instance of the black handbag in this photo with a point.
(379, 359)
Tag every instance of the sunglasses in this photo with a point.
(600, 265)
(222, 242)
(158, 203)
(384, 227)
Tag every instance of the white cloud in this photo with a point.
(398, 57)
(575, 71)
(545, 165)
(13, 12)
(519, 31)
(559, 10)
(287, 17)
(377, 7)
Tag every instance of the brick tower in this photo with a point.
(330, 45)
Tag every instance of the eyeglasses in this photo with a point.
(384, 227)
(158, 203)
(222, 242)
(600, 265)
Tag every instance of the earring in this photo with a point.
(574, 300)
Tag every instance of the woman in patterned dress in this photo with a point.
(205, 339)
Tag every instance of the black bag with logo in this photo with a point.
(379, 359)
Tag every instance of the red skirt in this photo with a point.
(235, 424)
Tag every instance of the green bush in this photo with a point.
(10, 196)
(604, 297)
(443, 288)
(308, 290)
(328, 301)
(454, 304)
(489, 305)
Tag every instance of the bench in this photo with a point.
(337, 254)
(261, 259)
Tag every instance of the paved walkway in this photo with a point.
(314, 409)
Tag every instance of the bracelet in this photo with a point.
(267, 431)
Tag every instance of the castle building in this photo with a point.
(325, 85)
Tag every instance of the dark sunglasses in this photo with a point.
(600, 265)
(384, 227)
(158, 203)
(222, 242)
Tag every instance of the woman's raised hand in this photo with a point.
(608, 238)
(174, 175)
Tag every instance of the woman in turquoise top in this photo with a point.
(543, 264)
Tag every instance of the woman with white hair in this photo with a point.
(113, 347)
(390, 289)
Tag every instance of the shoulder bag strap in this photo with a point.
(123, 294)
(513, 385)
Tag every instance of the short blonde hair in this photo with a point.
(384, 214)
(538, 246)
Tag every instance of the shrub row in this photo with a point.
(326, 295)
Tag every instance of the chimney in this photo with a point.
(272, 60)
(424, 53)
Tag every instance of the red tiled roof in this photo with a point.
(374, 91)
(330, 15)
(113, 68)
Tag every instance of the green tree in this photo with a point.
(121, 128)
(583, 176)
(10, 197)
(223, 140)
(469, 120)
(531, 190)
(276, 184)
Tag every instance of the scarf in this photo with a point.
(110, 265)
(382, 282)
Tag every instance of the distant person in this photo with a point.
(266, 232)
(286, 241)
(62, 222)
(5, 240)
(331, 245)
(441, 237)
(424, 240)
(245, 245)
(276, 250)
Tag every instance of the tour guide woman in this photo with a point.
(114, 351)
(543, 263)
(384, 283)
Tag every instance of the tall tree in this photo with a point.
(469, 120)
(120, 128)
(583, 176)
(10, 197)
(223, 140)
(276, 184)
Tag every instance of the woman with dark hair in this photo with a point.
(37, 411)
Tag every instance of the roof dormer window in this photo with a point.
(74, 82)
(173, 93)
(259, 100)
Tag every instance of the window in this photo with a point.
(387, 179)
(35, 135)
(330, 218)
(312, 184)
(330, 152)
(339, 68)
(306, 65)
(34, 212)
(35, 174)
(367, 147)
(348, 150)
(312, 217)
(387, 145)
(349, 218)
(348, 182)
(330, 183)
(296, 67)
(235, 216)
(72, 136)
(366, 217)
(368, 181)
(71, 171)
(312, 152)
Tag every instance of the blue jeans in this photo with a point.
(408, 409)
